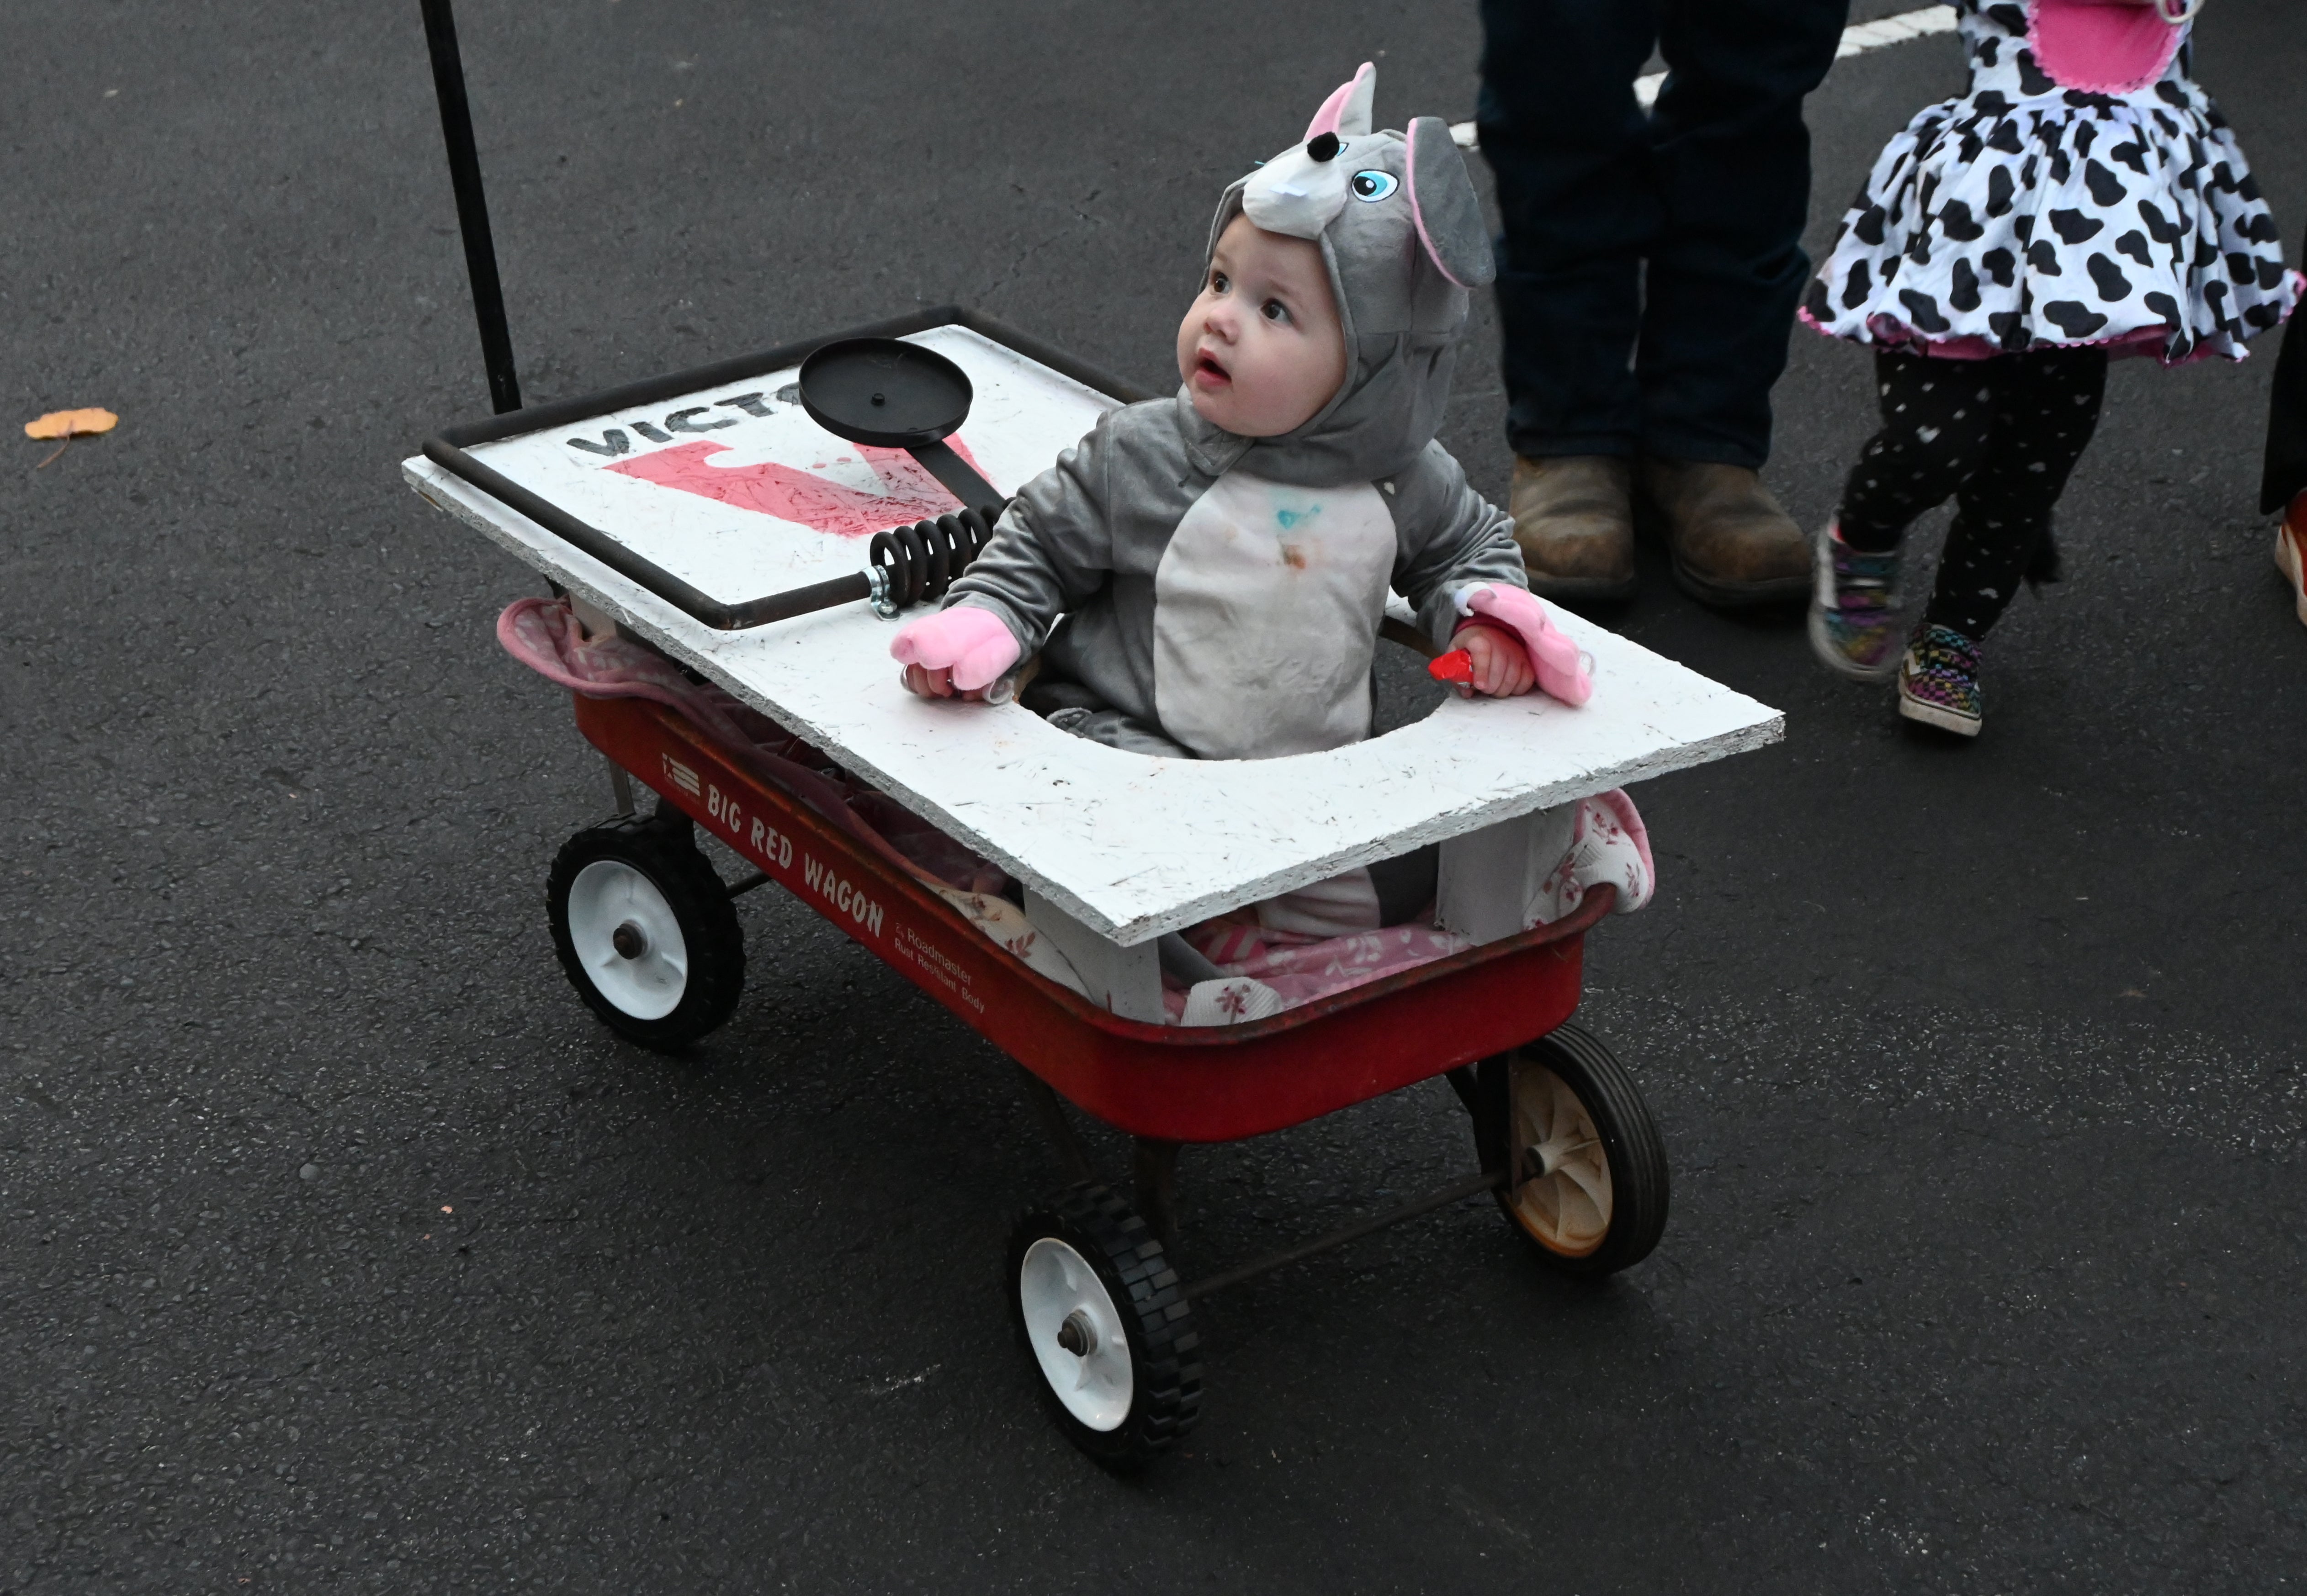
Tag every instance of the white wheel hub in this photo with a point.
(1564, 1195)
(1077, 1334)
(628, 939)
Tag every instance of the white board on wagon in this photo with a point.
(731, 489)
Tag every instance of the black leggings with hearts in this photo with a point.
(1999, 436)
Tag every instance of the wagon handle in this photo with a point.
(472, 204)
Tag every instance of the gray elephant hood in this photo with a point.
(1401, 233)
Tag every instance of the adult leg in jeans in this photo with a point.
(1570, 147)
(1732, 167)
(1730, 161)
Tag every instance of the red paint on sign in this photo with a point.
(792, 495)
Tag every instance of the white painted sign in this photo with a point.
(737, 493)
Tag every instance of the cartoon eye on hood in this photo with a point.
(1370, 187)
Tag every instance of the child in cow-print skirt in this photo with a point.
(2084, 200)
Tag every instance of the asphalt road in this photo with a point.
(343, 1249)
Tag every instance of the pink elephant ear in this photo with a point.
(1347, 112)
(1443, 205)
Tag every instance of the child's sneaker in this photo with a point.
(1938, 681)
(1853, 609)
(2291, 553)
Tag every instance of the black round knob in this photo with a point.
(1322, 147)
(884, 391)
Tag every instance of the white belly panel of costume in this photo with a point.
(1266, 611)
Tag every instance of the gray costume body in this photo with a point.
(1222, 595)
(1213, 608)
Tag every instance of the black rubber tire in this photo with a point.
(1640, 1190)
(664, 848)
(1165, 1347)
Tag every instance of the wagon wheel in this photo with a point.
(645, 931)
(1099, 1307)
(1589, 1175)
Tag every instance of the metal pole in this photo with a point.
(472, 205)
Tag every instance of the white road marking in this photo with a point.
(1856, 40)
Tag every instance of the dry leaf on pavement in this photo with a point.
(72, 423)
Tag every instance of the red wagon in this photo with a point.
(645, 930)
(644, 924)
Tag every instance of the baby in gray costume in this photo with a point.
(1222, 559)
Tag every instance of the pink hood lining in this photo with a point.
(2102, 46)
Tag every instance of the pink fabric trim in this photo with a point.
(1325, 120)
(1630, 818)
(1301, 969)
(2139, 340)
(1604, 847)
(2101, 47)
(1890, 333)
(1418, 216)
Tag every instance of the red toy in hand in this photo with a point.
(1456, 666)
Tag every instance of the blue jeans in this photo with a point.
(1711, 193)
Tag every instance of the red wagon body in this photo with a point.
(1169, 1083)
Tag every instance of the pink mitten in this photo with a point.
(1561, 670)
(973, 642)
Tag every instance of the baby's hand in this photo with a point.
(955, 652)
(1500, 665)
(939, 684)
(1561, 670)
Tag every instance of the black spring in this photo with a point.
(918, 562)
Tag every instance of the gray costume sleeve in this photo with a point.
(1450, 536)
(1051, 549)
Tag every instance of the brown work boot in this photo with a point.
(1574, 519)
(1734, 545)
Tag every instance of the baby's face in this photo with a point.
(1261, 350)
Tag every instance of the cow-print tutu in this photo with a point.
(2026, 215)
